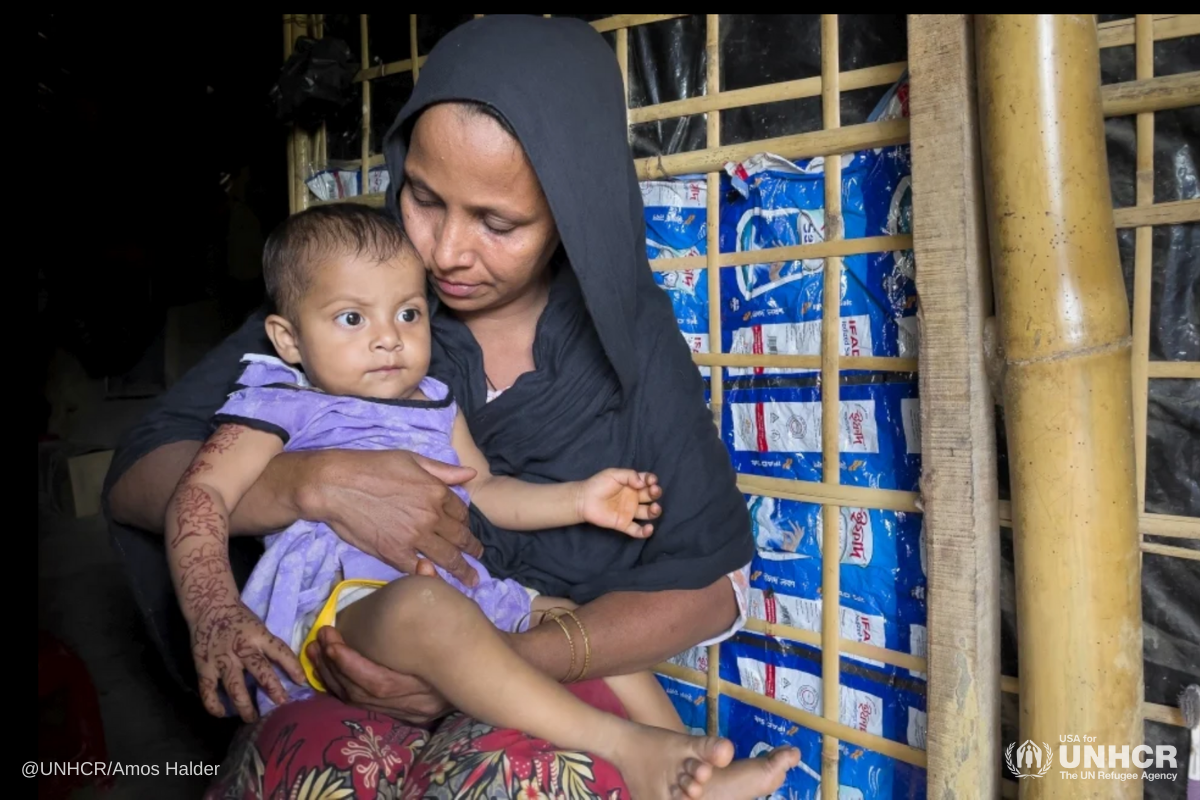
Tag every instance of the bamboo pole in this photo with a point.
(1150, 93)
(882, 75)
(831, 341)
(414, 56)
(801, 145)
(837, 494)
(712, 86)
(1166, 26)
(1177, 212)
(796, 252)
(878, 363)
(618, 21)
(958, 439)
(1067, 394)
(1142, 254)
(851, 647)
(365, 179)
(288, 43)
(1189, 370)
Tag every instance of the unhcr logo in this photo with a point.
(1031, 761)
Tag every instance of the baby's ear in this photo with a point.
(283, 335)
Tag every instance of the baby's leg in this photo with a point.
(423, 627)
(647, 703)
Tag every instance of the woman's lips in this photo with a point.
(456, 289)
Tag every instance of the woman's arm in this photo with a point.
(632, 631)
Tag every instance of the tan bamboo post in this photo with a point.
(958, 439)
(301, 141)
(712, 86)
(831, 340)
(1064, 328)
(365, 150)
(1142, 253)
(289, 39)
(412, 43)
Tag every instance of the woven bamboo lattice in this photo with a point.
(1141, 97)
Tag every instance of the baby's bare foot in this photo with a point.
(751, 777)
(657, 763)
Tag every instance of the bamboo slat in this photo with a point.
(831, 341)
(414, 56)
(1142, 254)
(1173, 369)
(848, 646)
(1166, 26)
(832, 729)
(826, 493)
(1176, 212)
(1170, 550)
(901, 752)
(618, 21)
(365, 167)
(876, 363)
(1150, 93)
(801, 145)
(712, 86)
(797, 252)
(882, 75)
(1169, 525)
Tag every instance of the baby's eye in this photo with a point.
(409, 315)
(350, 319)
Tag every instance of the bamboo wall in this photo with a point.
(1142, 97)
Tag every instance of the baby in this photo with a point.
(353, 335)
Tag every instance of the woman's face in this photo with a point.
(473, 207)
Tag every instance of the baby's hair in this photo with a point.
(320, 233)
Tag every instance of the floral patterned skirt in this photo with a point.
(323, 749)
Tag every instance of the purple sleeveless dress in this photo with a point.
(301, 565)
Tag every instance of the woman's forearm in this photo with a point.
(632, 631)
(140, 497)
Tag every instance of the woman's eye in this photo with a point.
(498, 227)
(409, 315)
(349, 319)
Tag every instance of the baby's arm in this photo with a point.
(226, 637)
(613, 498)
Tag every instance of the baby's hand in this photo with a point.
(229, 640)
(615, 498)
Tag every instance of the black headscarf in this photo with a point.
(614, 384)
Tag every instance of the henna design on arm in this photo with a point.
(225, 437)
(196, 514)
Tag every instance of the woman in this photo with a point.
(511, 172)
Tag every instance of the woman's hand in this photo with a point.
(392, 505)
(615, 498)
(356, 680)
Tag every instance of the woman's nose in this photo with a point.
(451, 249)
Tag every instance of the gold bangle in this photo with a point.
(587, 646)
(570, 644)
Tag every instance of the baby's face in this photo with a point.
(363, 327)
